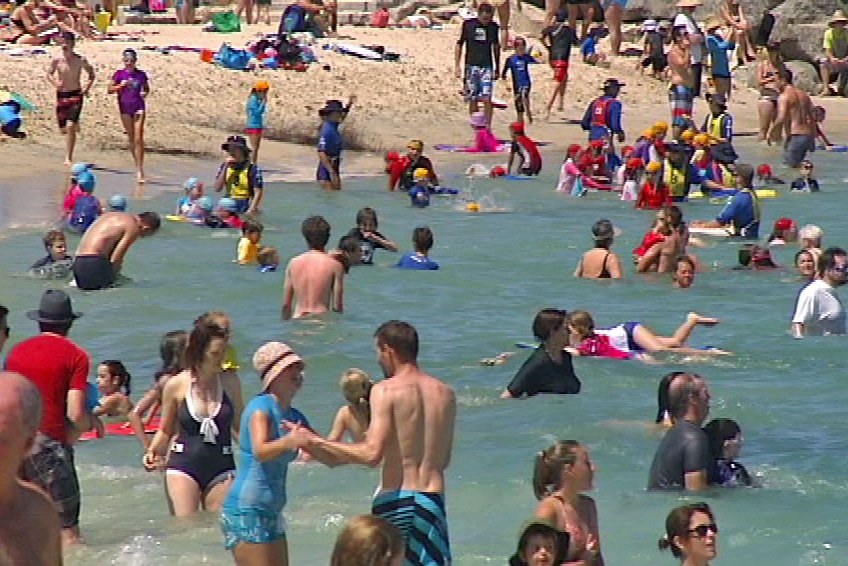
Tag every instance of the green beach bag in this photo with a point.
(226, 22)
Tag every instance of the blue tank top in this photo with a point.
(261, 486)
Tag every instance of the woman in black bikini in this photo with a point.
(26, 25)
(600, 262)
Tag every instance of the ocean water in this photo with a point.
(497, 271)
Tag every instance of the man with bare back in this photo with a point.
(100, 254)
(411, 433)
(795, 115)
(65, 73)
(314, 277)
(30, 533)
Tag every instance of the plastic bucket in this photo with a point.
(102, 21)
(206, 55)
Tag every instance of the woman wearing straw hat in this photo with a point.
(835, 61)
(251, 516)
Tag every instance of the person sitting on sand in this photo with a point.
(530, 160)
(549, 368)
(27, 28)
(743, 213)
(354, 417)
(834, 64)
(313, 277)
(100, 254)
(589, 48)
(484, 140)
(239, 177)
(422, 239)
(315, 16)
(600, 262)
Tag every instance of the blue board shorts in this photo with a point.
(249, 525)
(478, 82)
(422, 521)
(323, 174)
(796, 148)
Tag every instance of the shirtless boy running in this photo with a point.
(100, 254)
(795, 114)
(314, 277)
(65, 73)
(411, 433)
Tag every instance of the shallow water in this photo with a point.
(497, 271)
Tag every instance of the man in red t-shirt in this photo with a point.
(58, 368)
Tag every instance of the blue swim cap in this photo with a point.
(86, 180)
(118, 202)
(78, 168)
(228, 204)
(190, 183)
(205, 203)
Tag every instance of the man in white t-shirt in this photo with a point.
(685, 18)
(819, 311)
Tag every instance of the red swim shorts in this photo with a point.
(560, 70)
(249, 131)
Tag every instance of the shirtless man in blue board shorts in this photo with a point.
(795, 114)
(415, 452)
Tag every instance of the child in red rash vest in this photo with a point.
(581, 329)
(658, 232)
(654, 193)
(395, 166)
(530, 161)
(594, 161)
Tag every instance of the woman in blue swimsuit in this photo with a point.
(201, 413)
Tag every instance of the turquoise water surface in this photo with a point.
(497, 270)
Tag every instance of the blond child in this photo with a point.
(248, 246)
(354, 417)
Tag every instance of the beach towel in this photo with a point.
(226, 22)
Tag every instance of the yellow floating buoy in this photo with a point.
(472, 207)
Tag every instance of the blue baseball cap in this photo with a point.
(118, 202)
(78, 168)
(86, 180)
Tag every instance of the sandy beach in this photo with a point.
(193, 106)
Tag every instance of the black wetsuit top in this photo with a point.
(685, 448)
(540, 374)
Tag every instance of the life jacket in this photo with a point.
(701, 159)
(715, 125)
(758, 212)
(533, 160)
(86, 211)
(294, 19)
(601, 111)
(239, 182)
(677, 180)
(722, 175)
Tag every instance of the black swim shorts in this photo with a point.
(93, 272)
(68, 107)
(50, 466)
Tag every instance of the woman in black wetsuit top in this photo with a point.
(202, 408)
(549, 368)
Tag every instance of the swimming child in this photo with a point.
(540, 543)
(112, 376)
(171, 351)
(86, 206)
(193, 190)
(806, 183)
(132, 87)
(654, 193)
(354, 417)
(395, 166)
(517, 64)
(268, 258)
(725, 438)
(57, 247)
(74, 190)
(530, 161)
(422, 239)
(765, 176)
(248, 246)
(256, 109)
(369, 238)
(226, 215)
(785, 231)
(581, 329)
(419, 193)
(117, 203)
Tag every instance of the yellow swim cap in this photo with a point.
(421, 172)
(654, 166)
(648, 133)
(661, 126)
(688, 135)
(701, 139)
(261, 84)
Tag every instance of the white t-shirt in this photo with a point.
(819, 310)
(696, 51)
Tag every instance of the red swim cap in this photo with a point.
(763, 169)
(783, 223)
(574, 148)
(596, 143)
(497, 171)
(635, 163)
(626, 150)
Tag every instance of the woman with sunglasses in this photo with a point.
(691, 534)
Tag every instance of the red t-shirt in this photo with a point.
(600, 345)
(55, 365)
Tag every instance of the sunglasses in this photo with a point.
(841, 268)
(702, 530)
